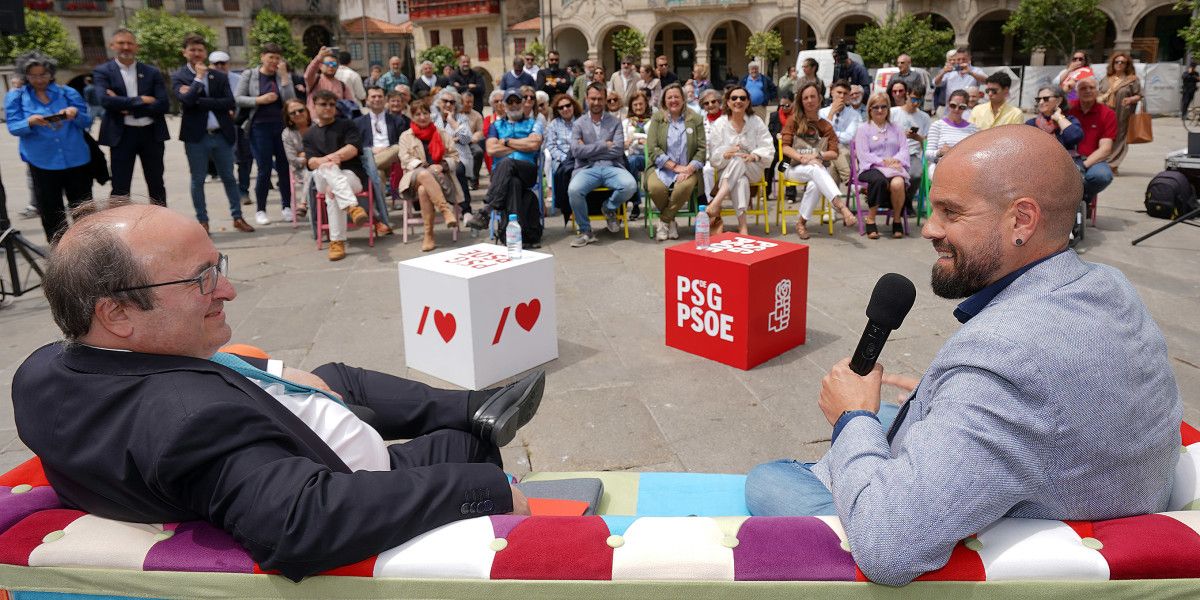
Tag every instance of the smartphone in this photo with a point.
(55, 118)
(913, 129)
(335, 50)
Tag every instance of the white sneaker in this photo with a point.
(287, 213)
(261, 218)
(660, 231)
(673, 230)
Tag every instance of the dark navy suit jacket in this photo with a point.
(214, 96)
(394, 128)
(152, 438)
(150, 83)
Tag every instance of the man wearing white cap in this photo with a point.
(219, 61)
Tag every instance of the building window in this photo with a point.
(91, 39)
(153, 3)
(481, 42)
(519, 45)
(393, 49)
(231, 5)
(355, 51)
(194, 5)
(234, 37)
(435, 37)
(402, 7)
(375, 53)
(456, 41)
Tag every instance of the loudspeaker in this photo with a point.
(12, 17)
(1193, 143)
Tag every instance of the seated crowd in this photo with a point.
(595, 145)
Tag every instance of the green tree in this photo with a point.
(1062, 25)
(440, 56)
(272, 27)
(766, 45)
(629, 42)
(45, 33)
(1191, 33)
(160, 36)
(916, 37)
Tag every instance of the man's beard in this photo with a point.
(968, 275)
(516, 115)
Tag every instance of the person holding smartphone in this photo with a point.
(50, 120)
(959, 73)
(911, 120)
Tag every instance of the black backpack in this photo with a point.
(1170, 195)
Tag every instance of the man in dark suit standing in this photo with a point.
(134, 97)
(206, 127)
(136, 419)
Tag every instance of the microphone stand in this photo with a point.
(13, 244)
(1184, 218)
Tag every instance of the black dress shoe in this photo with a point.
(509, 409)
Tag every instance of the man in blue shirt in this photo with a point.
(762, 90)
(514, 144)
(517, 77)
(1004, 422)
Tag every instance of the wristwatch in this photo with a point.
(506, 143)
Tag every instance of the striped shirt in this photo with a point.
(945, 133)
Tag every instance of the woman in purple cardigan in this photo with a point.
(881, 152)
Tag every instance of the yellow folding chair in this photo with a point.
(621, 216)
(758, 191)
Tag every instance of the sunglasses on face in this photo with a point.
(953, 106)
(991, 91)
(331, 64)
(785, 107)
(710, 102)
(512, 101)
(739, 98)
(564, 106)
(1045, 98)
(528, 98)
(880, 107)
(298, 111)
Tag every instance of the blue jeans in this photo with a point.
(585, 180)
(789, 488)
(267, 145)
(368, 161)
(1096, 178)
(213, 146)
(637, 165)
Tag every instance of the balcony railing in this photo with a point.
(94, 56)
(440, 9)
(308, 8)
(40, 5)
(84, 6)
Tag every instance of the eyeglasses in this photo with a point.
(512, 101)
(1045, 98)
(206, 280)
(564, 106)
(710, 102)
(953, 106)
(298, 111)
(880, 107)
(739, 98)
(331, 64)
(783, 106)
(992, 91)
(527, 98)
(325, 104)
(614, 101)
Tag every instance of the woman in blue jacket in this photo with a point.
(50, 120)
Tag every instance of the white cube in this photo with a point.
(472, 316)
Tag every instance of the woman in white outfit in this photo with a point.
(742, 149)
(809, 143)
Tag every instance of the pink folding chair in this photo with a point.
(323, 217)
(860, 210)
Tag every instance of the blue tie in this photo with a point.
(250, 371)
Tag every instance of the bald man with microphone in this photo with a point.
(1054, 400)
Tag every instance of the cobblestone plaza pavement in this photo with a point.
(617, 398)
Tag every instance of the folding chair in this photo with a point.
(622, 218)
(651, 212)
(323, 217)
(824, 209)
(758, 191)
(412, 219)
(860, 210)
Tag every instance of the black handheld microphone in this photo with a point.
(890, 302)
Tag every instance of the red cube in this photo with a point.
(741, 301)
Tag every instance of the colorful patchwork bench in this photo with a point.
(656, 535)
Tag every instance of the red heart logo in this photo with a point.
(446, 325)
(528, 312)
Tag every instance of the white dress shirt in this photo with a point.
(379, 130)
(130, 75)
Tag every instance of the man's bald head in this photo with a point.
(110, 245)
(1018, 161)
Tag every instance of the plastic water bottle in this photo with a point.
(702, 225)
(512, 235)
